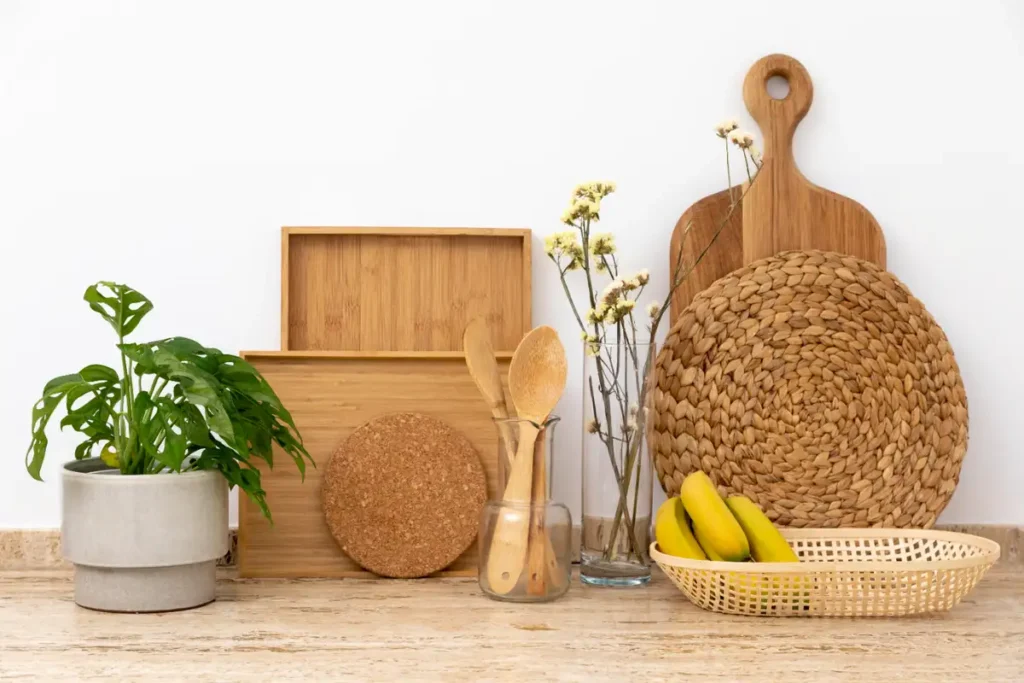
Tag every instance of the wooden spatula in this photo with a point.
(782, 209)
(483, 367)
(536, 380)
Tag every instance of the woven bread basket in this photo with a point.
(818, 386)
(841, 573)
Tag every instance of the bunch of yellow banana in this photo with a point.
(730, 530)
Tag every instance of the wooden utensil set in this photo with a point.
(536, 382)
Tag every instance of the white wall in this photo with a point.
(164, 144)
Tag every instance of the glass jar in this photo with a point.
(525, 542)
(617, 481)
(545, 565)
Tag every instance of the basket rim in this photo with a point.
(990, 554)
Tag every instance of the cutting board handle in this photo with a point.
(778, 118)
(783, 210)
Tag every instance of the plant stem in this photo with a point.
(728, 174)
(615, 470)
(125, 458)
(626, 467)
(678, 279)
(584, 229)
(568, 295)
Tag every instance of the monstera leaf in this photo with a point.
(120, 305)
(166, 360)
(93, 417)
(176, 405)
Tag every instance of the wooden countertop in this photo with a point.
(445, 629)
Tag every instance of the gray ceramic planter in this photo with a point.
(143, 543)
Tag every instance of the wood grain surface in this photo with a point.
(723, 256)
(445, 630)
(330, 394)
(402, 289)
(782, 210)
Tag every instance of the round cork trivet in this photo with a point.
(817, 385)
(402, 495)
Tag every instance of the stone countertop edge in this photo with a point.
(27, 549)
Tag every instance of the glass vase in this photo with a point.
(617, 472)
(539, 530)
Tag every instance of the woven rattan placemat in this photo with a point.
(816, 384)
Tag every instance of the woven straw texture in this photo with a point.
(818, 386)
(841, 573)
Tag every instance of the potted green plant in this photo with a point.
(145, 501)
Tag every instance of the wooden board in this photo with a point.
(402, 289)
(724, 255)
(782, 210)
(330, 394)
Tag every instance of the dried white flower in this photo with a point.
(630, 427)
(755, 155)
(653, 309)
(633, 410)
(619, 310)
(601, 267)
(585, 209)
(637, 281)
(602, 244)
(575, 254)
(612, 292)
(741, 138)
(592, 343)
(595, 316)
(559, 243)
(589, 208)
(593, 426)
(593, 190)
(565, 244)
(725, 127)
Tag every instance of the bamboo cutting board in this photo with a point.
(330, 395)
(782, 209)
(402, 289)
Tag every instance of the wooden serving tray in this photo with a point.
(402, 289)
(330, 394)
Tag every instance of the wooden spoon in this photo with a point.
(536, 381)
(476, 342)
(543, 562)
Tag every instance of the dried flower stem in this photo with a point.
(610, 332)
(679, 278)
(728, 173)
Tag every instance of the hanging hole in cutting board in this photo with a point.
(777, 87)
